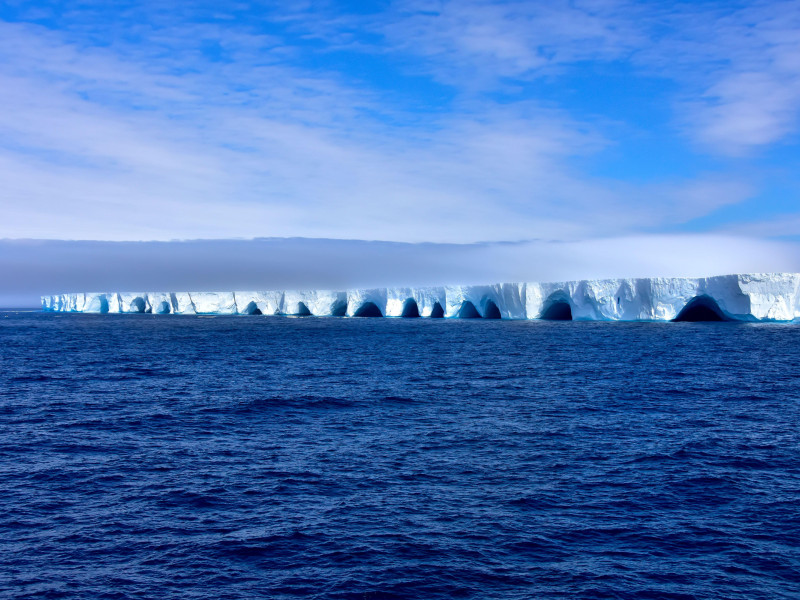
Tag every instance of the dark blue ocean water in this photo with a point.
(266, 457)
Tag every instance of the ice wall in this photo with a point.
(428, 301)
(318, 303)
(747, 297)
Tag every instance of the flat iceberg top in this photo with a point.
(773, 297)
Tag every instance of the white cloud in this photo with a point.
(738, 67)
(745, 110)
(105, 143)
(474, 42)
(155, 141)
(741, 72)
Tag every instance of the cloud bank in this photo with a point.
(30, 268)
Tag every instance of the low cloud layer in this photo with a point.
(30, 268)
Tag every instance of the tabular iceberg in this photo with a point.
(747, 297)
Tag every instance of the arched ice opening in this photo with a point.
(490, 310)
(701, 308)
(410, 309)
(437, 312)
(137, 305)
(163, 308)
(301, 310)
(368, 309)
(559, 310)
(252, 309)
(99, 305)
(468, 311)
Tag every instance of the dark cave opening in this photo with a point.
(468, 311)
(368, 309)
(557, 311)
(701, 309)
(137, 305)
(491, 311)
(302, 310)
(252, 309)
(437, 312)
(410, 309)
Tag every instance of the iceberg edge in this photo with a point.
(750, 297)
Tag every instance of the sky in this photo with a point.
(655, 128)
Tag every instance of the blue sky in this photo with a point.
(407, 121)
(447, 122)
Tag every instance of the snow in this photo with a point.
(771, 297)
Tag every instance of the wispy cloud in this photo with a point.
(741, 68)
(738, 64)
(186, 122)
(479, 41)
(134, 142)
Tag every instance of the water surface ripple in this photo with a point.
(251, 457)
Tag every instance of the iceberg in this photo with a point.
(214, 303)
(415, 302)
(317, 303)
(366, 303)
(499, 301)
(134, 303)
(182, 304)
(258, 303)
(752, 297)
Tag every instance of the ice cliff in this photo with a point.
(747, 297)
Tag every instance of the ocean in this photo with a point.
(147, 456)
